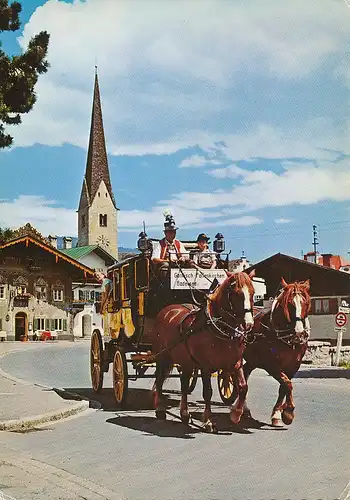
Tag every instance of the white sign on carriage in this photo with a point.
(185, 279)
(201, 279)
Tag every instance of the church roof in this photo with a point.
(97, 164)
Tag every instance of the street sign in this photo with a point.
(341, 319)
(336, 329)
(345, 310)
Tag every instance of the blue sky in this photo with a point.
(235, 116)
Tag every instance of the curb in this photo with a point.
(323, 372)
(31, 422)
(36, 420)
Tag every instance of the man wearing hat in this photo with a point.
(203, 257)
(169, 248)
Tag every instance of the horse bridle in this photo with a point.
(222, 329)
(291, 337)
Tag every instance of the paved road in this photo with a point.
(129, 452)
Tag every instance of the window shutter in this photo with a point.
(333, 306)
(0, 323)
(47, 324)
(65, 325)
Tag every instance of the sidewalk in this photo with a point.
(24, 405)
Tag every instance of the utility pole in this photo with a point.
(315, 242)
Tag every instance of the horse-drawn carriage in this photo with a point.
(197, 320)
(135, 296)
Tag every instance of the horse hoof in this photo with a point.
(276, 422)
(235, 416)
(210, 427)
(160, 414)
(288, 416)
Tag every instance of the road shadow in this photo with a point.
(138, 399)
(150, 426)
(225, 426)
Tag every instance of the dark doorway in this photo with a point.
(20, 326)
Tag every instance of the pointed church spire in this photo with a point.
(97, 163)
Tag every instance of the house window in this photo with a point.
(106, 195)
(0, 324)
(39, 324)
(57, 295)
(325, 306)
(58, 324)
(21, 290)
(103, 220)
(40, 289)
(2, 292)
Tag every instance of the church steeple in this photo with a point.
(97, 212)
(97, 164)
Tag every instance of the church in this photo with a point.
(97, 212)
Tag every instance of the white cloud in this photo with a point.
(304, 184)
(166, 66)
(282, 221)
(198, 161)
(41, 213)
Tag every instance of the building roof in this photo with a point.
(97, 164)
(283, 257)
(88, 272)
(324, 281)
(80, 252)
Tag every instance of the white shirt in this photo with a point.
(171, 249)
(205, 259)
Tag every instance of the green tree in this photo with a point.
(19, 73)
(6, 234)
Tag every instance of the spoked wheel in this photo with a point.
(120, 376)
(226, 386)
(193, 381)
(96, 356)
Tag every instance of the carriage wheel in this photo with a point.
(193, 381)
(120, 376)
(226, 386)
(96, 361)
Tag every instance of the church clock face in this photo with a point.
(103, 241)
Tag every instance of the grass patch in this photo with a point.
(345, 364)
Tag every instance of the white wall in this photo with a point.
(96, 321)
(94, 262)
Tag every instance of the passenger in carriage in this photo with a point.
(203, 257)
(169, 251)
(106, 289)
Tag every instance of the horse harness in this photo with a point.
(216, 325)
(286, 335)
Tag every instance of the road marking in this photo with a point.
(346, 493)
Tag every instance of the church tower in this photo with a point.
(97, 213)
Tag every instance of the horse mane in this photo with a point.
(241, 279)
(286, 296)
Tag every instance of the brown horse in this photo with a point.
(209, 337)
(280, 342)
